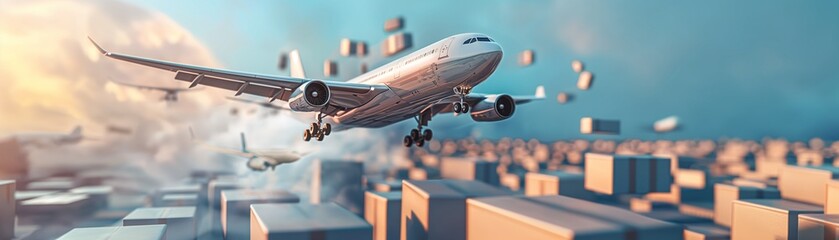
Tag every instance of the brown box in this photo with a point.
(436, 209)
(831, 205)
(236, 205)
(767, 218)
(214, 188)
(469, 169)
(394, 24)
(724, 196)
(382, 210)
(325, 221)
(622, 174)
(559, 217)
(7, 209)
(556, 183)
(806, 184)
(818, 226)
(180, 221)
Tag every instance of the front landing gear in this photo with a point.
(461, 106)
(317, 130)
(419, 136)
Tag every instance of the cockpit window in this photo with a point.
(466, 42)
(483, 39)
(472, 40)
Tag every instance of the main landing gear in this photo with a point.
(419, 136)
(461, 106)
(317, 130)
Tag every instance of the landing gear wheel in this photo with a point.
(327, 129)
(427, 134)
(314, 127)
(456, 107)
(407, 141)
(320, 137)
(415, 134)
(307, 135)
(465, 108)
(420, 142)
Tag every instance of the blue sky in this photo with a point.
(744, 69)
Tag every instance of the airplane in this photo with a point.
(433, 80)
(50, 139)
(171, 94)
(272, 106)
(258, 159)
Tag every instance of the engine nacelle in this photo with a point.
(310, 97)
(501, 107)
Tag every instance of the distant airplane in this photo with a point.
(436, 79)
(171, 93)
(50, 139)
(258, 159)
(268, 105)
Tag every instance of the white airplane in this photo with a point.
(49, 139)
(258, 159)
(435, 79)
(170, 93)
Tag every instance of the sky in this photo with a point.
(736, 69)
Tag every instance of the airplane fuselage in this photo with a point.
(420, 79)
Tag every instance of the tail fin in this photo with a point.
(244, 143)
(77, 131)
(296, 65)
(540, 92)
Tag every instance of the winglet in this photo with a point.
(101, 50)
(540, 91)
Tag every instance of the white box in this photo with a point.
(340, 182)
(144, 232)
(214, 188)
(556, 183)
(559, 217)
(469, 169)
(236, 205)
(382, 210)
(178, 200)
(767, 219)
(98, 194)
(64, 203)
(832, 203)
(806, 184)
(305, 221)
(818, 226)
(622, 174)
(56, 184)
(435, 209)
(7, 209)
(180, 221)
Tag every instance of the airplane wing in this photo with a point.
(445, 105)
(344, 95)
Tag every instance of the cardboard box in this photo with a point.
(394, 24)
(559, 217)
(469, 169)
(340, 182)
(330, 68)
(806, 184)
(691, 178)
(724, 196)
(64, 203)
(527, 57)
(98, 194)
(143, 232)
(831, 205)
(56, 184)
(623, 174)
(435, 209)
(382, 210)
(7, 209)
(214, 188)
(326, 221)
(382, 185)
(396, 43)
(767, 218)
(235, 208)
(818, 226)
(178, 200)
(642, 205)
(556, 183)
(599, 126)
(706, 231)
(180, 221)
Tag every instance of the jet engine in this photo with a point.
(310, 97)
(257, 164)
(494, 109)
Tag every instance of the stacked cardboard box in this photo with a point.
(435, 209)
(469, 169)
(623, 174)
(305, 221)
(559, 217)
(180, 221)
(599, 126)
(818, 226)
(382, 210)
(831, 205)
(214, 188)
(235, 208)
(767, 218)
(806, 184)
(556, 183)
(725, 194)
